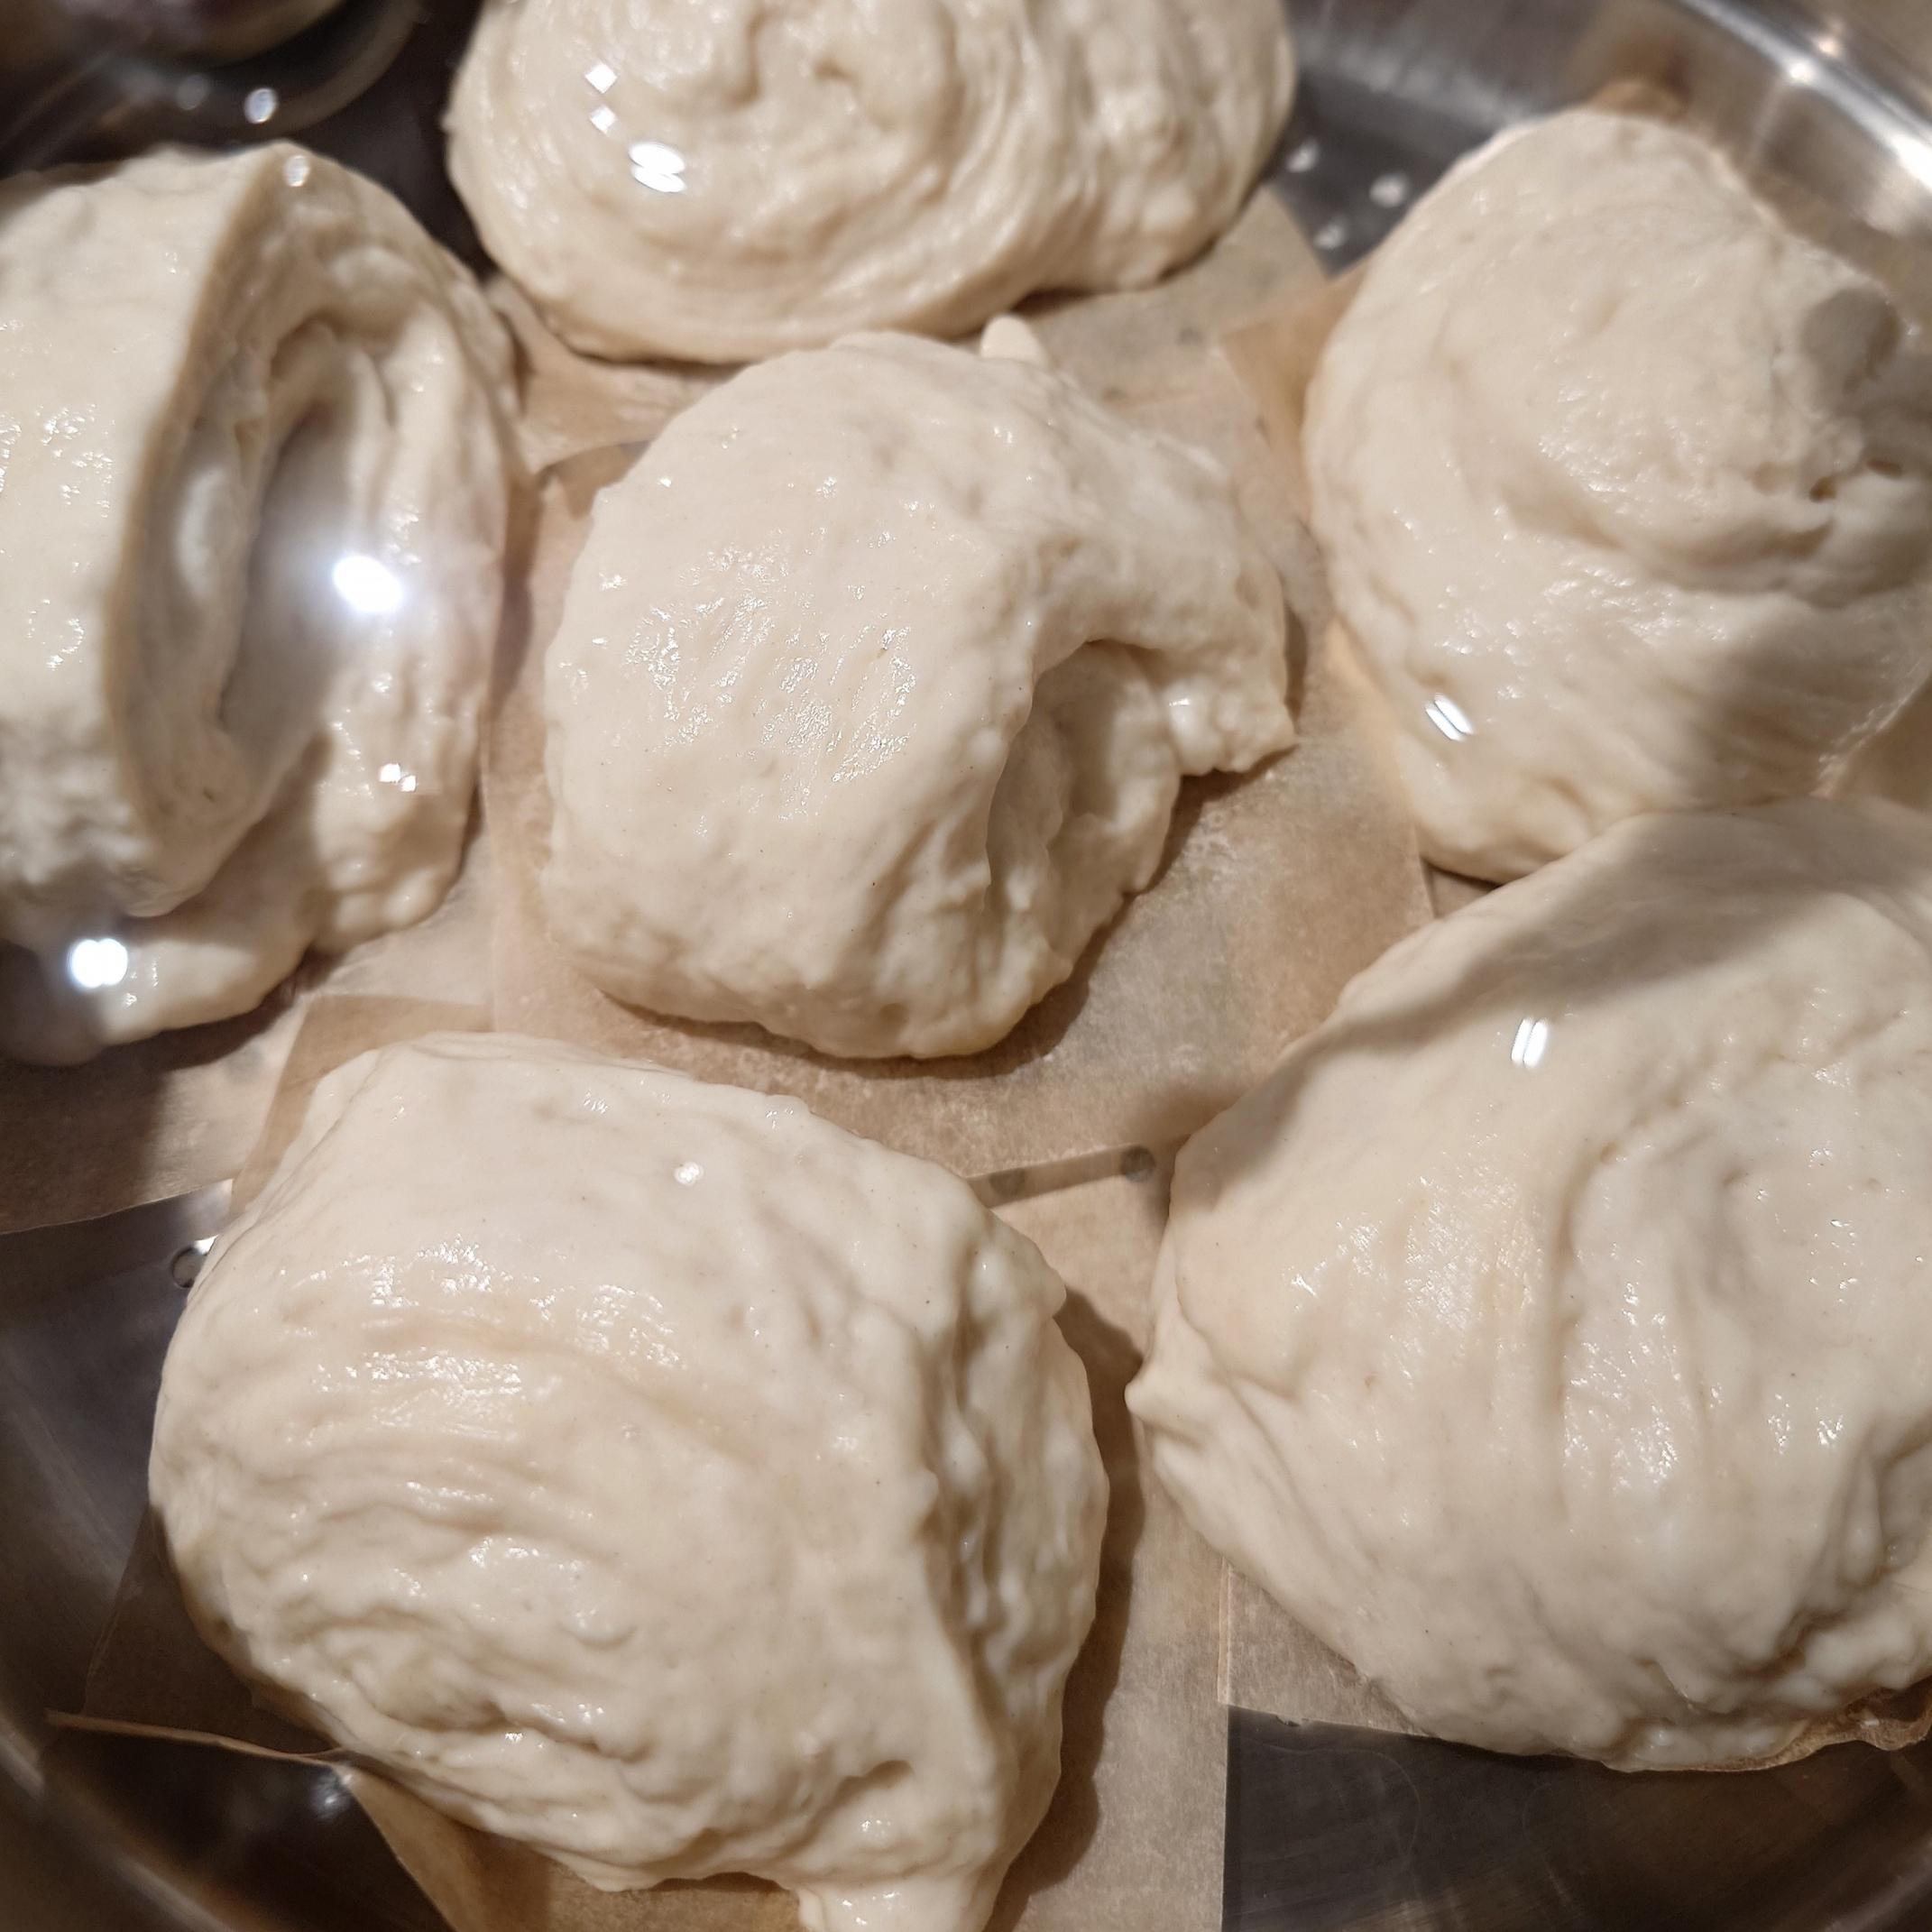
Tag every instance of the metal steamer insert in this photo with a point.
(1326, 1829)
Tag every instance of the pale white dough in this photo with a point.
(721, 179)
(874, 688)
(648, 1471)
(253, 495)
(1625, 492)
(1552, 1334)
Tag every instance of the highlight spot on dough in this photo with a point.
(653, 164)
(719, 182)
(366, 584)
(233, 725)
(94, 965)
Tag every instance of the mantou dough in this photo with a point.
(253, 492)
(1552, 1334)
(873, 691)
(648, 1471)
(721, 179)
(1625, 492)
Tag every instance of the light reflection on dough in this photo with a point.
(874, 688)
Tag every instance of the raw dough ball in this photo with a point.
(252, 437)
(874, 689)
(1552, 1334)
(648, 1471)
(1625, 492)
(721, 179)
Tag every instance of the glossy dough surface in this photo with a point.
(1625, 492)
(648, 1471)
(721, 179)
(874, 689)
(1552, 1334)
(252, 508)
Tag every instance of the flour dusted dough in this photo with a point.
(721, 179)
(1625, 492)
(648, 1471)
(874, 688)
(253, 504)
(1552, 1334)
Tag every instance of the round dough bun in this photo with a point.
(874, 688)
(255, 446)
(720, 180)
(648, 1471)
(1625, 492)
(1552, 1333)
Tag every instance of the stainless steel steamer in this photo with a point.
(1326, 1831)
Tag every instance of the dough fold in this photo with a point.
(723, 180)
(1552, 1334)
(1625, 492)
(873, 691)
(254, 491)
(647, 1471)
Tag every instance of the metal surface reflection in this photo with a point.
(1837, 96)
(215, 31)
(85, 1312)
(1338, 1830)
(361, 79)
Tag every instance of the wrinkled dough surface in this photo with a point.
(1625, 492)
(252, 503)
(874, 687)
(648, 1471)
(1552, 1334)
(723, 180)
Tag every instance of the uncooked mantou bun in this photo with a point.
(647, 1471)
(252, 437)
(721, 179)
(1625, 492)
(874, 688)
(1552, 1333)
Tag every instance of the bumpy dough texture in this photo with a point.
(1554, 1333)
(1625, 492)
(874, 688)
(252, 507)
(721, 179)
(648, 1471)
